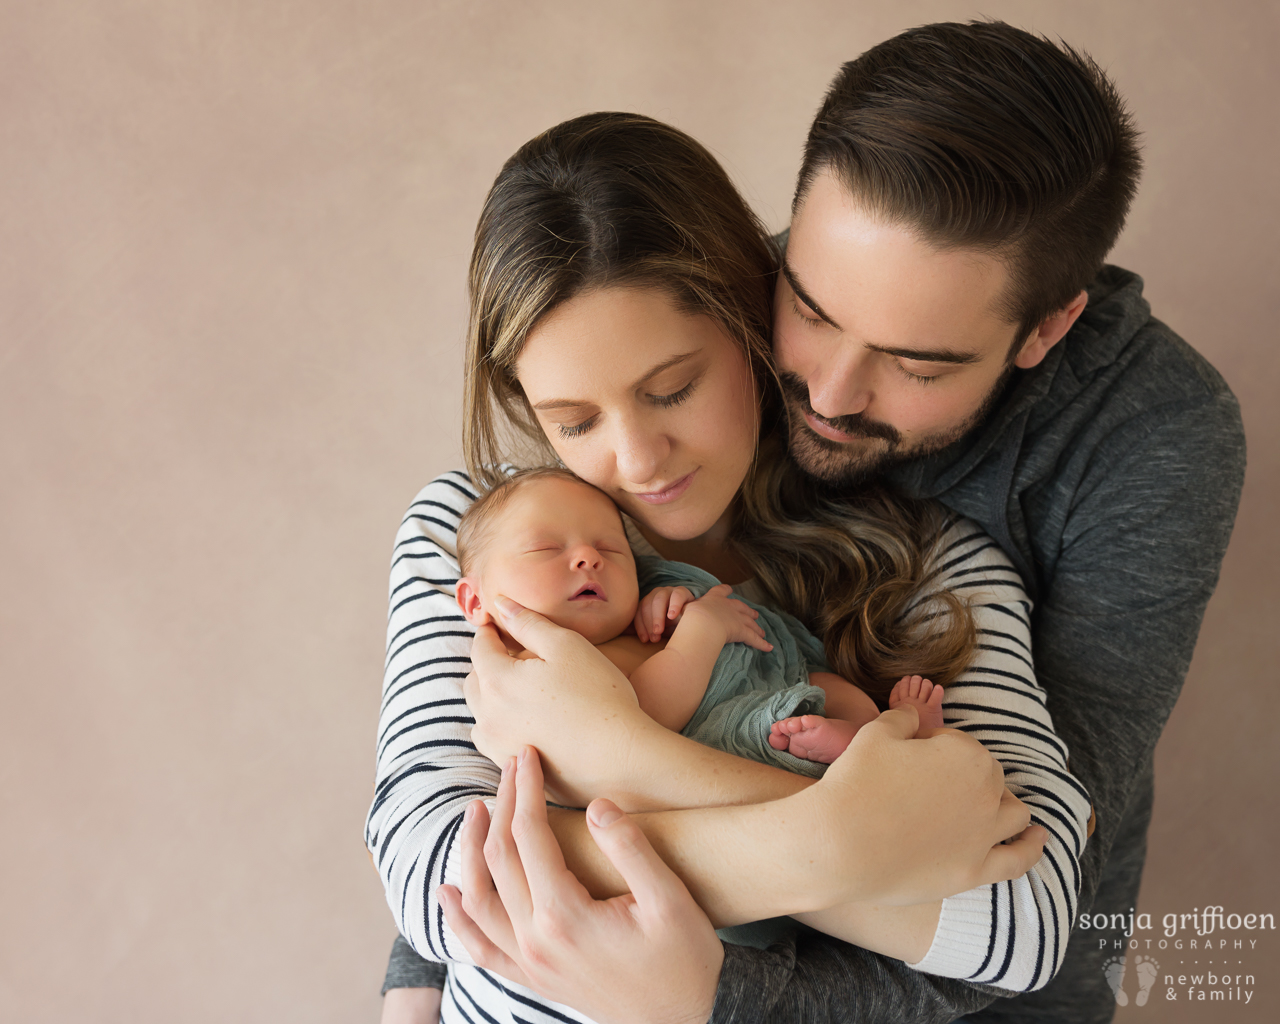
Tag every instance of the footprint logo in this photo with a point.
(1147, 971)
(1113, 970)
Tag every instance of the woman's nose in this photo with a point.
(640, 455)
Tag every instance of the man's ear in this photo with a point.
(1050, 333)
(467, 594)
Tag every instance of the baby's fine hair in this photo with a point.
(475, 529)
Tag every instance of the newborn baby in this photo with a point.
(722, 670)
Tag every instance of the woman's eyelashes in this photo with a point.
(575, 429)
(667, 401)
(675, 397)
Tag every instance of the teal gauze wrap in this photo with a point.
(749, 689)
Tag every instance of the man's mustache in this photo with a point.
(796, 391)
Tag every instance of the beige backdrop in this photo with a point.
(234, 240)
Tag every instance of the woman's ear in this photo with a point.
(1050, 333)
(467, 595)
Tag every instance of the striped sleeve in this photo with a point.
(427, 768)
(1011, 935)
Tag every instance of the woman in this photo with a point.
(620, 319)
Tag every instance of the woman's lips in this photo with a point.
(668, 493)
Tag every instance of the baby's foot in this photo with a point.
(812, 737)
(923, 696)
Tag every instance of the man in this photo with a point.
(944, 319)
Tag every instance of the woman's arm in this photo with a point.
(428, 768)
(1012, 935)
(863, 832)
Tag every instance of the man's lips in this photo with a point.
(874, 431)
(826, 429)
(668, 493)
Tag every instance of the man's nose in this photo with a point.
(841, 387)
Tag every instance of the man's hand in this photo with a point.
(920, 819)
(649, 956)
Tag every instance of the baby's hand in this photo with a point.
(736, 618)
(660, 609)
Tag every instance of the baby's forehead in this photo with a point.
(564, 501)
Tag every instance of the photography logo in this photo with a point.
(1146, 969)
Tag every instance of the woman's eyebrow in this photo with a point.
(574, 403)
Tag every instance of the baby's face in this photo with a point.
(558, 547)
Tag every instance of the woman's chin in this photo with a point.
(669, 524)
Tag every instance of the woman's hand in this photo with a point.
(650, 955)
(569, 701)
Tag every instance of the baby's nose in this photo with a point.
(585, 558)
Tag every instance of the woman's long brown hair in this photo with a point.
(614, 199)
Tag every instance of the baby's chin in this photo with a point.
(597, 628)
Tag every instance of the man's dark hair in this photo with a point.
(982, 136)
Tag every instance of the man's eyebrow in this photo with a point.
(805, 297)
(938, 355)
(574, 403)
(928, 355)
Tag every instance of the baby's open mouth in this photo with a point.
(589, 592)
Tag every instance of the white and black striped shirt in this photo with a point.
(1012, 935)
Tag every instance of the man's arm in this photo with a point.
(1115, 631)
(1113, 638)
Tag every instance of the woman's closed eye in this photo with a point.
(667, 401)
(675, 397)
(575, 429)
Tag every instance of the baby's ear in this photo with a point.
(467, 594)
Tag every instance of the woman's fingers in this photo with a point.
(488, 652)
(654, 886)
(483, 950)
(501, 854)
(477, 915)
(476, 880)
(535, 632)
(541, 858)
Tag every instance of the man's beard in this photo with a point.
(877, 446)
